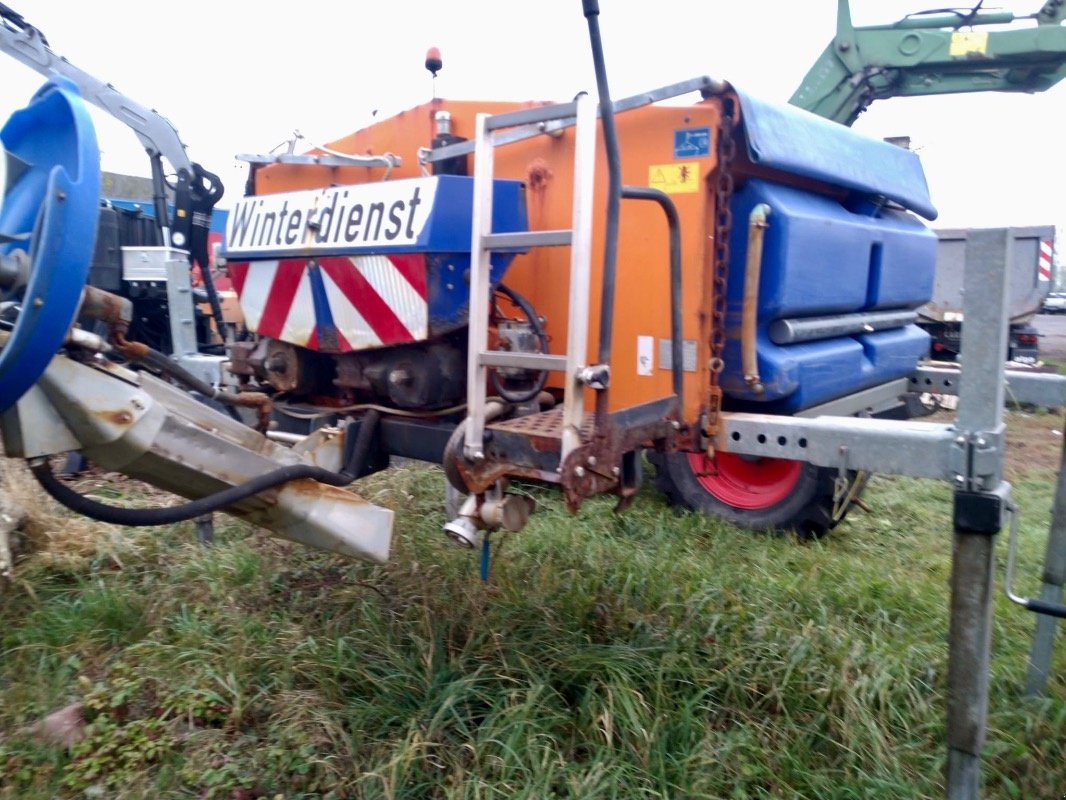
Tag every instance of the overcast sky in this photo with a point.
(237, 76)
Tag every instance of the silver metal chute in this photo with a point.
(150, 430)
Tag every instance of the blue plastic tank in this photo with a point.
(825, 257)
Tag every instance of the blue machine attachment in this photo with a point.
(48, 213)
(841, 267)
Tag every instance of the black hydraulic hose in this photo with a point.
(538, 330)
(143, 517)
(168, 366)
(204, 193)
(195, 195)
(213, 300)
(674, 224)
(614, 197)
(368, 428)
(159, 199)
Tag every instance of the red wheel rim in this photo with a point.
(744, 483)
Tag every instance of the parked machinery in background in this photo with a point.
(1030, 272)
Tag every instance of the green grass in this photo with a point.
(649, 655)
(1056, 364)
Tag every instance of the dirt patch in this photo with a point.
(43, 526)
(1034, 442)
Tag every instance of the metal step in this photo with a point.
(500, 242)
(534, 361)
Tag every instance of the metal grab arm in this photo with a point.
(196, 190)
(674, 225)
(25, 43)
(1057, 610)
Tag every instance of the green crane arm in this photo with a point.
(933, 52)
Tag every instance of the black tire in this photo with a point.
(800, 496)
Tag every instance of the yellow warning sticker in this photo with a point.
(675, 178)
(964, 43)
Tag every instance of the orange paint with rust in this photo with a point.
(545, 164)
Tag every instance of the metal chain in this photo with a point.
(723, 226)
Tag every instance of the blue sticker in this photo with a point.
(692, 142)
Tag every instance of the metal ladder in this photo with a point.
(491, 132)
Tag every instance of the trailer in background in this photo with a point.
(1029, 279)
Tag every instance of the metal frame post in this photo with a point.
(205, 529)
(580, 276)
(180, 306)
(980, 502)
(480, 271)
(1048, 391)
(1051, 591)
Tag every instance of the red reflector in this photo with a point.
(1027, 338)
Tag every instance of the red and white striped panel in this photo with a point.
(364, 301)
(275, 298)
(1044, 265)
(377, 300)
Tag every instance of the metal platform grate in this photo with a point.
(547, 425)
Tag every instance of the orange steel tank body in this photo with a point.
(545, 164)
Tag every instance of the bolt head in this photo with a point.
(401, 377)
(579, 472)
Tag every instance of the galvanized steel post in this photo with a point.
(980, 502)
